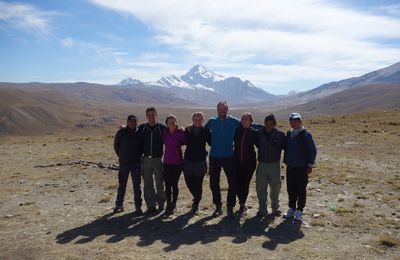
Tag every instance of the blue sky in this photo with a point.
(278, 45)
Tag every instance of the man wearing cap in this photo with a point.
(300, 154)
(271, 142)
(128, 147)
(153, 143)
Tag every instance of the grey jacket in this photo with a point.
(270, 145)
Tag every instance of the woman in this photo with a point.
(174, 138)
(245, 158)
(195, 165)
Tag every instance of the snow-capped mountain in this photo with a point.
(129, 81)
(202, 85)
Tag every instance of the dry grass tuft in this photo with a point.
(388, 240)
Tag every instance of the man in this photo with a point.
(128, 147)
(152, 165)
(223, 129)
(300, 157)
(270, 144)
(195, 165)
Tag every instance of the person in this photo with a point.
(195, 165)
(128, 147)
(223, 129)
(174, 138)
(300, 154)
(245, 158)
(152, 167)
(271, 142)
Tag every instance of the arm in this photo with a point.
(208, 136)
(257, 126)
(312, 149)
(117, 141)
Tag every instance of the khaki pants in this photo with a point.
(153, 167)
(268, 174)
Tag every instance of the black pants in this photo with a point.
(194, 174)
(297, 180)
(123, 175)
(172, 173)
(228, 164)
(244, 173)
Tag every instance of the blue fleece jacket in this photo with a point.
(222, 135)
(294, 154)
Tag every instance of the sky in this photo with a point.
(278, 45)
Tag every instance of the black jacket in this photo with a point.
(152, 139)
(270, 145)
(128, 146)
(196, 144)
(245, 139)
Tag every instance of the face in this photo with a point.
(151, 117)
(269, 126)
(197, 121)
(246, 122)
(296, 123)
(171, 124)
(131, 124)
(222, 110)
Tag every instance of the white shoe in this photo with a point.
(297, 215)
(289, 213)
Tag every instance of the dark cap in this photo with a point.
(131, 117)
(270, 117)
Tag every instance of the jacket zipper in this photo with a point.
(241, 146)
(151, 145)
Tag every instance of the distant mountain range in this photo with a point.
(27, 108)
(202, 86)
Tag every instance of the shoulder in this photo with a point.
(279, 132)
(140, 127)
(232, 119)
(211, 121)
(161, 125)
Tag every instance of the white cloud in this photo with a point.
(26, 17)
(271, 42)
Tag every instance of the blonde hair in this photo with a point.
(198, 114)
(171, 116)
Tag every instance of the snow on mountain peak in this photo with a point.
(200, 70)
(129, 81)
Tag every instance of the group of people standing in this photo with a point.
(153, 151)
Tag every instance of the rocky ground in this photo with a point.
(57, 193)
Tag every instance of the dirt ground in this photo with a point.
(57, 193)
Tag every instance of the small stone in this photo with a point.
(66, 203)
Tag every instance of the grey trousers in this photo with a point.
(268, 174)
(153, 167)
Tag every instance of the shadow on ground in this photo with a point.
(176, 232)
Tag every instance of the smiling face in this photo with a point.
(131, 124)
(171, 124)
(246, 121)
(197, 120)
(269, 125)
(222, 110)
(151, 117)
(295, 123)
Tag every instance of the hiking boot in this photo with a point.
(217, 212)
(289, 213)
(151, 210)
(276, 212)
(229, 212)
(262, 212)
(298, 215)
(138, 211)
(118, 209)
(242, 209)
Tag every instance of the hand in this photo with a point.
(309, 170)
(121, 126)
(189, 128)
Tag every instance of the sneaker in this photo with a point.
(118, 209)
(217, 212)
(289, 213)
(297, 215)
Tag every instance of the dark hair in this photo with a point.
(151, 109)
(270, 117)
